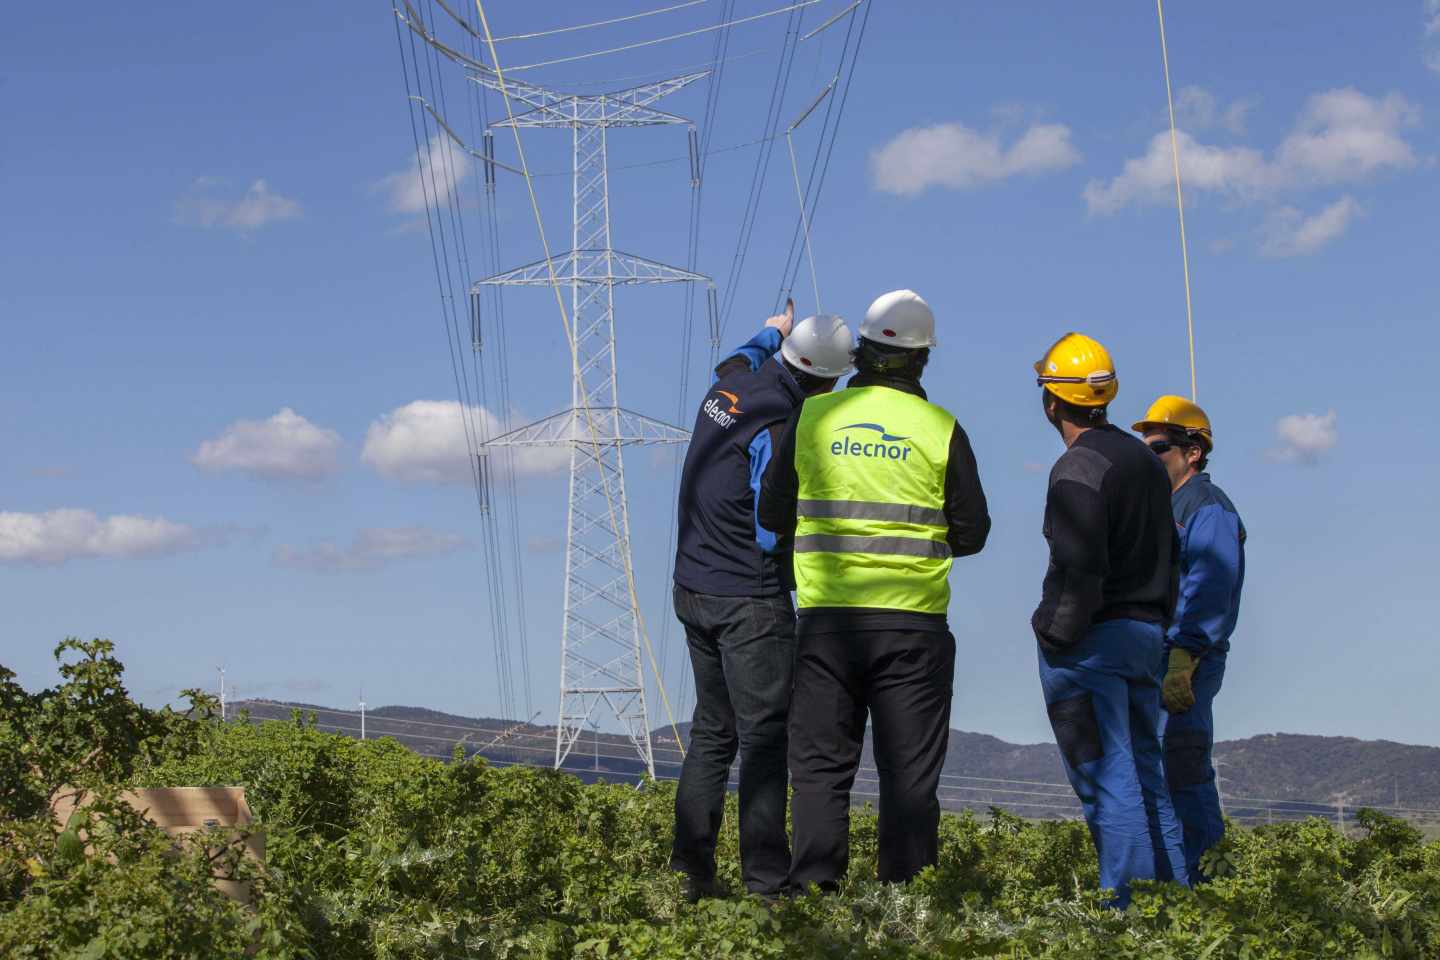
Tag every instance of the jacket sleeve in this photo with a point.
(966, 512)
(1211, 562)
(780, 486)
(1077, 529)
(761, 451)
(752, 353)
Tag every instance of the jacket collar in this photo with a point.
(776, 371)
(902, 384)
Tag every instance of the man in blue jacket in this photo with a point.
(732, 593)
(1212, 572)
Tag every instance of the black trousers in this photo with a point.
(743, 653)
(904, 679)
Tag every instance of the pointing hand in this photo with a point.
(784, 321)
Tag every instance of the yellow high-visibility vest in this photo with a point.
(871, 527)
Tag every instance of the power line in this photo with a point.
(661, 74)
(431, 190)
(601, 23)
(762, 165)
(673, 36)
(788, 278)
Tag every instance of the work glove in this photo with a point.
(1175, 690)
(784, 321)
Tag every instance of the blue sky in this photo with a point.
(227, 408)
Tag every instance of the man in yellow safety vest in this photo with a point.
(881, 490)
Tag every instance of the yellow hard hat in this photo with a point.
(1173, 411)
(1078, 370)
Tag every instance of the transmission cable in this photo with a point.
(702, 147)
(834, 135)
(570, 335)
(762, 165)
(601, 23)
(426, 170)
(673, 36)
(473, 406)
(490, 524)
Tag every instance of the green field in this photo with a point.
(376, 852)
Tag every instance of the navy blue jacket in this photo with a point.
(1212, 567)
(721, 548)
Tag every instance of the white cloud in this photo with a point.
(1341, 136)
(284, 447)
(371, 548)
(57, 536)
(1344, 136)
(200, 206)
(438, 174)
(1287, 232)
(1430, 43)
(954, 156)
(1304, 437)
(424, 442)
(1197, 109)
(1237, 172)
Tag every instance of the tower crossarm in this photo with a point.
(613, 426)
(527, 93)
(648, 93)
(627, 107)
(591, 112)
(592, 266)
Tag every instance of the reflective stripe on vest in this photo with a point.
(871, 527)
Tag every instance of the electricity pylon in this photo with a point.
(600, 636)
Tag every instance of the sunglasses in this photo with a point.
(1165, 446)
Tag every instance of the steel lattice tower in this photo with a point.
(600, 637)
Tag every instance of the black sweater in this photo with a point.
(966, 513)
(1114, 552)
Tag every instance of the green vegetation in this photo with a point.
(375, 852)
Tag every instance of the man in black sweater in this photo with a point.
(1108, 595)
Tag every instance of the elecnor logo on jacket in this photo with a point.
(715, 409)
(890, 446)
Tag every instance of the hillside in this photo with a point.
(1292, 773)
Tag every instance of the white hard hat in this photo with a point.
(900, 319)
(821, 345)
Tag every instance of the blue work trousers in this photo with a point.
(1103, 697)
(1189, 768)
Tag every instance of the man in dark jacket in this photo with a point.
(732, 593)
(881, 489)
(1108, 594)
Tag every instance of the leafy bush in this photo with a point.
(376, 852)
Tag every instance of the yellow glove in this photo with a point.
(1175, 690)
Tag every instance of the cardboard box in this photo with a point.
(184, 810)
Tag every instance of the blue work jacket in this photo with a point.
(1212, 568)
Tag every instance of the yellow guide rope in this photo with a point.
(1179, 197)
(575, 361)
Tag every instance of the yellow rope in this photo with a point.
(1179, 197)
(575, 361)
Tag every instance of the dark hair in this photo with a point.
(1184, 438)
(886, 360)
(1076, 414)
(809, 383)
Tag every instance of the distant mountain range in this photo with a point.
(1276, 776)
